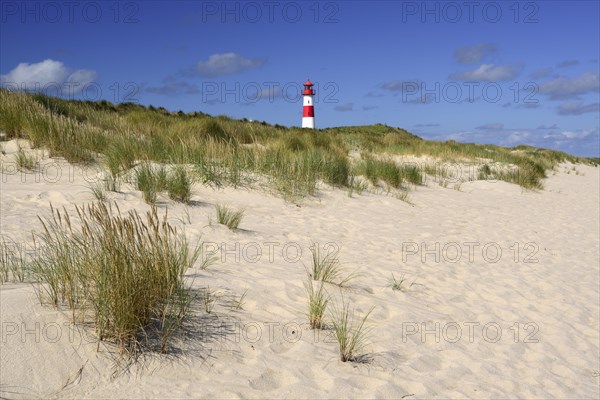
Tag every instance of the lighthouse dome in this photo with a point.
(308, 88)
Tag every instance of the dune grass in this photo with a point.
(317, 304)
(384, 170)
(25, 162)
(350, 331)
(179, 185)
(238, 303)
(389, 172)
(356, 185)
(327, 267)
(293, 162)
(121, 273)
(228, 217)
(412, 174)
(209, 299)
(151, 181)
(98, 189)
(13, 263)
(399, 284)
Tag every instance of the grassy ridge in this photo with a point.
(224, 151)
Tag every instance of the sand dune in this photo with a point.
(505, 300)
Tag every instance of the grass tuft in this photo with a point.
(238, 303)
(385, 170)
(229, 217)
(398, 284)
(121, 273)
(350, 331)
(327, 268)
(24, 161)
(317, 304)
(179, 185)
(209, 299)
(13, 263)
(98, 189)
(412, 174)
(150, 181)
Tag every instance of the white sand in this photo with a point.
(547, 312)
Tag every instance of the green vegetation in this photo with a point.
(150, 181)
(222, 151)
(98, 190)
(123, 274)
(229, 217)
(208, 299)
(13, 262)
(24, 161)
(179, 185)
(350, 331)
(398, 284)
(317, 304)
(238, 303)
(327, 268)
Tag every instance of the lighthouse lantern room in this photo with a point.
(308, 114)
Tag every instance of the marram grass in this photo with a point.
(326, 267)
(350, 331)
(225, 151)
(228, 217)
(318, 299)
(122, 273)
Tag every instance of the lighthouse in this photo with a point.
(308, 113)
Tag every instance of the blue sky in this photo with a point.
(502, 72)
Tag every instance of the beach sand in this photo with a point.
(501, 294)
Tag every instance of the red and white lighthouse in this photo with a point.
(308, 113)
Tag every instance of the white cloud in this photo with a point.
(578, 108)
(46, 74)
(564, 88)
(32, 76)
(225, 64)
(580, 134)
(516, 137)
(81, 77)
(473, 54)
(489, 72)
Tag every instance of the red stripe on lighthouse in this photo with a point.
(308, 111)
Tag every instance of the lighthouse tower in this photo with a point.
(308, 114)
